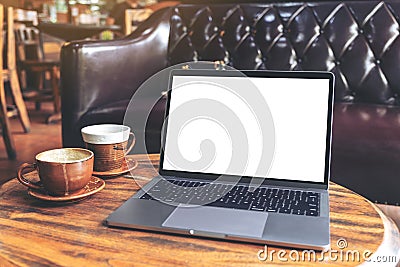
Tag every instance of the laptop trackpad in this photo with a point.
(218, 220)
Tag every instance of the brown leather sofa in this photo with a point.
(356, 40)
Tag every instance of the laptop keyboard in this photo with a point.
(263, 199)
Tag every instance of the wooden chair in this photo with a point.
(5, 124)
(10, 72)
(31, 61)
(135, 16)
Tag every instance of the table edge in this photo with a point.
(390, 245)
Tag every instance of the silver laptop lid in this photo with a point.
(268, 124)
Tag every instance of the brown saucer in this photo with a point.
(128, 165)
(95, 185)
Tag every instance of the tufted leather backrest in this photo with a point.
(356, 40)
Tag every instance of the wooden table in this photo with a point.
(37, 233)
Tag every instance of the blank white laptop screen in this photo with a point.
(299, 109)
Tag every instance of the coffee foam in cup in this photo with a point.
(64, 155)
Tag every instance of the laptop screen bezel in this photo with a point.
(257, 74)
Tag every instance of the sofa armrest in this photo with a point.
(95, 73)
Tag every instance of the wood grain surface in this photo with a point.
(38, 233)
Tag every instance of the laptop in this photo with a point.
(245, 156)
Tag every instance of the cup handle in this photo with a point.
(21, 178)
(132, 143)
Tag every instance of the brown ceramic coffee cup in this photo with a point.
(61, 171)
(109, 142)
